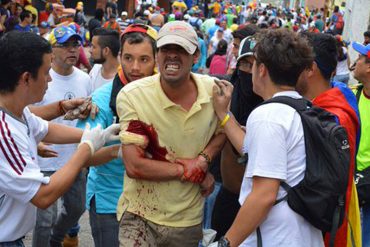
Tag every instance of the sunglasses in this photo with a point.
(73, 44)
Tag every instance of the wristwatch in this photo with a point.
(223, 242)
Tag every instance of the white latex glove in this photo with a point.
(111, 133)
(93, 137)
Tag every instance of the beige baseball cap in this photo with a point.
(178, 33)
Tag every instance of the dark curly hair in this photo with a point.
(285, 55)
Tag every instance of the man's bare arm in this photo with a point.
(61, 180)
(140, 167)
(254, 209)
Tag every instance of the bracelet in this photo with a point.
(206, 157)
(61, 109)
(225, 120)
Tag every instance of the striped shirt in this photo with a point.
(20, 176)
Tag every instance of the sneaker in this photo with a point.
(70, 241)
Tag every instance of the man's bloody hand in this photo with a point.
(194, 169)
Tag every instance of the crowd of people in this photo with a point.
(160, 131)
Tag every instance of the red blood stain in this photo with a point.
(153, 148)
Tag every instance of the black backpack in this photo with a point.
(320, 196)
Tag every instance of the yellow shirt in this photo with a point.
(183, 133)
(216, 8)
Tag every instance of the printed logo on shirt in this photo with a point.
(69, 95)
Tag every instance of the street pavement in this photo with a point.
(85, 236)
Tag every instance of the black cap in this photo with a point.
(246, 47)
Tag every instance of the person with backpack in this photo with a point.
(275, 144)
(335, 97)
(362, 91)
(337, 21)
(195, 19)
(243, 101)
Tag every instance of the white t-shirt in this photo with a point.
(20, 176)
(61, 87)
(97, 80)
(228, 37)
(275, 145)
(214, 41)
(261, 19)
(342, 66)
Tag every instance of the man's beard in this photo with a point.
(99, 60)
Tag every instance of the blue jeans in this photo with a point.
(16, 243)
(365, 221)
(208, 206)
(51, 226)
(104, 227)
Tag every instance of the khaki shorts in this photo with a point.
(137, 231)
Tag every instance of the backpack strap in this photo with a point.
(336, 219)
(359, 91)
(259, 237)
(286, 187)
(299, 105)
(258, 230)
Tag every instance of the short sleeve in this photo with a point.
(20, 176)
(125, 109)
(101, 117)
(127, 112)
